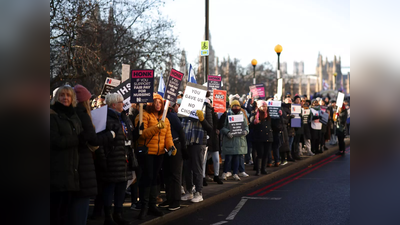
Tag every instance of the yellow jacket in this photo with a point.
(160, 138)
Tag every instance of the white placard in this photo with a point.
(235, 118)
(339, 100)
(296, 109)
(192, 100)
(125, 72)
(99, 118)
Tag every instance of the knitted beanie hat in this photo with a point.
(82, 94)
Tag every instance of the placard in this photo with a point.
(236, 125)
(324, 117)
(142, 82)
(273, 109)
(214, 82)
(126, 68)
(99, 118)
(124, 89)
(219, 101)
(261, 90)
(295, 109)
(173, 84)
(109, 84)
(339, 100)
(305, 113)
(254, 91)
(192, 100)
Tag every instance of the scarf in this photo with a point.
(193, 130)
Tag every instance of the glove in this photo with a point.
(244, 133)
(280, 112)
(229, 135)
(161, 124)
(200, 115)
(172, 150)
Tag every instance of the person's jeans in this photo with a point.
(79, 210)
(275, 146)
(150, 166)
(194, 167)
(241, 164)
(340, 135)
(234, 159)
(215, 158)
(114, 191)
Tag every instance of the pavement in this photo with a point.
(214, 192)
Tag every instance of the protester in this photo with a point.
(347, 105)
(233, 146)
(316, 127)
(332, 111)
(114, 160)
(101, 101)
(65, 127)
(156, 136)
(307, 128)
(287, 108)
(322, 146)
(89, 142)
(172, 165)
(297, 147)
(196, 139)
(260, 122)
(341, 127)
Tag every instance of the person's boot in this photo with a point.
(216, 179)
(153, 210)
(258, 166)
(263, 166)
(290, 157)
(117, 216)
(205, 182)
(108, 219)
(144, 202)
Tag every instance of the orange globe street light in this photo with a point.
(278, 50)
(254, 63)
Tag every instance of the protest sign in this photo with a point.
(110, 84)
(273, 109)
(192, 100)
(214, 82)
(305, 113)
(173, 84)
(261, 90)
(254, 91)
(324, 117)
(339, 100)
(142, 82)
(315, 123)
(236, 125)
(295, 110)
(99, 118)
(126, 68)
(219, 101)
(124, 89)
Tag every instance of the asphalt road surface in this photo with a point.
(318, 194)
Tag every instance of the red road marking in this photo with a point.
(307, 168)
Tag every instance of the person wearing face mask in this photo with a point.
(233, 146)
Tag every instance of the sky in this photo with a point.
(251, 29)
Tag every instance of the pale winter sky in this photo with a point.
(251, 29)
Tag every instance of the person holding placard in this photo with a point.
(316, 126)
(332, 112)
(323, 129)
(234, 143)
(196, 138)
(155, 138)
(297, 147)
(341, 128)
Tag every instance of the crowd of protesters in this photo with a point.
(177, 154)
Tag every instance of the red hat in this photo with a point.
(82, 94)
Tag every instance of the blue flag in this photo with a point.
(192, 79)
(161, 86)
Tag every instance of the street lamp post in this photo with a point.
(278, 50)
(334, 81)
(254, 63)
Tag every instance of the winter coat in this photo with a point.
(87, 172)
(65, 127)
(288, 119)
(341, 121)
(262, 132)
(213, 137)
(306, 124)
(155, 139)
(236, 145)
(207, 123)
(285, 137)
(115, 150)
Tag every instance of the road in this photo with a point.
(318, 194)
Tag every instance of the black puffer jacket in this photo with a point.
(87, 173)
(65, 127)
(288, 119)
(262, 132)
(115, 167)
(207, 123)
(213, 137)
